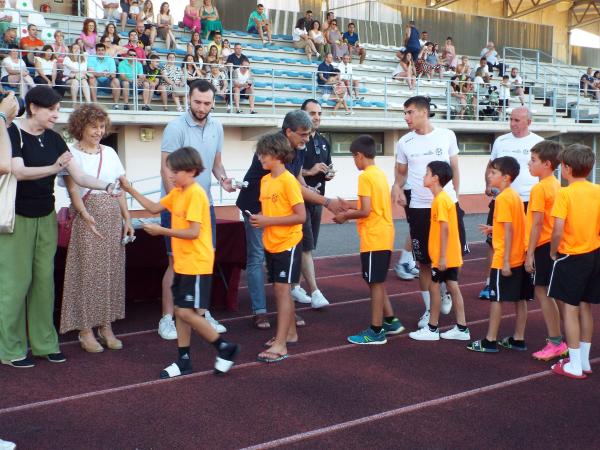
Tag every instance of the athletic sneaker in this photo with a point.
(22, 363)
(414, 270)
(226, 357)
(368, 337)
(423, 320)
(300, 295)
(57, 357)
(551, 351)
(404, 271)
(214, 323)
(6, 445)
(446, 303)
(393, 328)
(425, 334)
(486, 293)
(166, 328)
(457, 335)
(318, 300)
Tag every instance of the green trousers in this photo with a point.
(27, 288)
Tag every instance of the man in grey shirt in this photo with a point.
(196, 129)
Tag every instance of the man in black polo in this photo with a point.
(237, 57)
(324, 71)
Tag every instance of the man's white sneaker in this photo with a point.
(300, 295)
(318, 300)
(414, 270)
(456, 334)
(425, 334)
(166, 328)
(403, 271)
(214, 323)
(423, 320)
(6, 445)
(446, 303)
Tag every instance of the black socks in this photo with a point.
(462, 327)
(184, 360)
(488, 344)
(376, 329)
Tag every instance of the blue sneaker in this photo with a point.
(368, 337)
(393, 328)
(486, 293)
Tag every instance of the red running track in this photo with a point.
(328, 394)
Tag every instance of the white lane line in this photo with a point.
(128, 387)
(399, 411)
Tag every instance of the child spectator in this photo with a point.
(339, 92)
(516, 85)
(151, 84)
(351, 82)
(543, 162)
(446, 256)
(508, 279)
(135, 12)
(376, 231)
(504, 94)
(193, 255)
(449, 55)
(587, 82)
(283, 214)
(226, 51)
(75, 73)
(351, 39)
(575, 249)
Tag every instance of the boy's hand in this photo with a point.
(153, 229)
(442, 264)
(485, 229)
(506, 272)
(125, 185)
(258, 220)
(340, 218)
(529, 264)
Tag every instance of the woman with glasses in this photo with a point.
(338, 47)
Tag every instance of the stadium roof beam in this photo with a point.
(583, 13)
(439, 3)
(513, 9)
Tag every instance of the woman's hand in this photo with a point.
(128, 229)
(91, 223)
(63, 161)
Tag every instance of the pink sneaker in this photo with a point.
(551, 351)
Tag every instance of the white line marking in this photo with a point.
(399, 411)
(127, 387)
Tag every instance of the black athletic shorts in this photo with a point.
(407, 208)
(441, 276)
(419, 223)
(191, 291)
(490, 218)
(543, 265)
(576, 278)
(375, 265)
(284, 267)
(518, 286)
(311, 226)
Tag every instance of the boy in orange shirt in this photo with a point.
(193, 256)
(543, 162)
(446, 256)
(376, 231)
(283, 214)
(508, 279)
(575, 249)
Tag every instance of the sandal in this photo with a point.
(261, 322)
(300, 321)
(271, 342)
(559, 369)
(566, 360)
(477, 346)
(271, 357)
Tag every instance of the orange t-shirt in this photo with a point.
(28, 42)
(277, 197)
(376, 231)
(444, 210)
(191, 256)
(509, 208)
(541, 200)
(579, 205)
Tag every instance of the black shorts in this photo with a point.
(441, 276)
(543, 265)
(518, 286)
(576, 278)
(419, 223)
(284, 267)
(311, 227)
(375, 265)
(191, 291)
(490, 218)
(407, 208)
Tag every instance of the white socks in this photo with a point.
(584, 348)
(426, 299)
(443, 289)
(574, 364)
(406, 257)
(487, 281)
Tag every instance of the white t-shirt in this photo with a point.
(74, 67)
(298, 32)
(516, 81)
(518, 148)
(503, 92)
(111, 166)
(345, 70)
(9, 64)
(242, 78)
(418, 150)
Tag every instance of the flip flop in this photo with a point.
(271, 341)
(506, 344)
(276, 357)
(566, 360)
(477, 346)
(261, 322)
(300, 321)
(559, 369)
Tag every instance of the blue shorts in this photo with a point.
(103, 83)
(165, 221)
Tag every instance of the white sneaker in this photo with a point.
(6, 445)
(403, 271)
(456, 334)
(318, 300)
(425, 334)
(300, 295)
(446, 303)
(214, 323)
(423, 320)
(414, 270)
(166, 328)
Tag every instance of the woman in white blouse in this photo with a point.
(46, 68)
(317, 37)
(301, 39)
(14, 71)
(75, 73)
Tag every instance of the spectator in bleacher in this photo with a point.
(449, 55)
(164, 22)
(59, 48)
(8, 38)
(102, 73)
(209, 19)
(428, 62)
(481, 78)
(484, 68)
(46, 70)
(213, 56)
(242, 86)
(131, 75)
(350, 81)
(143, 38)
(351, 39)
(226, 51)
(329, 17)
(89, 36)
(191, 70)
(308, 20)
(217, 41)
(586, 82)
(15, 73)
(125, 5)
(324, 72)
(173, 81)
(219, 80)
(597, 79)
(459, 99)
(339, 92)
(111, 31)
(406, 70)
(491, 55)
(75, 73)
(111, 9)
(5, 19)
(516, 85)
(194, 41)
(411, 40)
(237, 57)
(504, 93)
(301, 39)
(132, 44)
(31, 43)
(424, 38)
(258, 23)
(151, 83)
(112, 50)
(468, 89)
(318, 39)
(338, 47)
(199, 55)
(147, 18)
(463, 69)
(191, 17)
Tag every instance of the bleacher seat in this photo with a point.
(47, 35)
(24, 5)
(37, 19)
